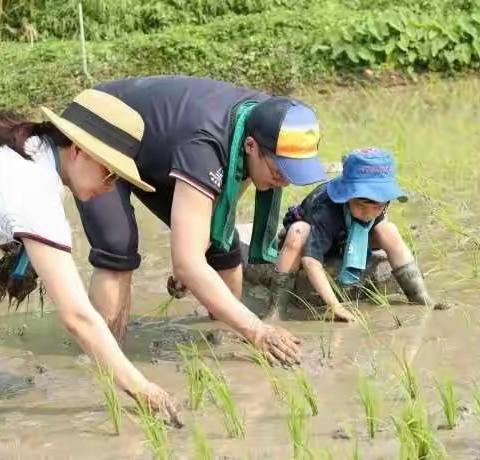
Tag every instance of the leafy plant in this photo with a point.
(307, 390)
(203, 450)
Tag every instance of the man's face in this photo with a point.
(262, 168)
(87, 178)
(365, 210)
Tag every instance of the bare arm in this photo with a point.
(319, 280)
(64, 286)
(190, 237)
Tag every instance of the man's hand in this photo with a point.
(279, 345)
(160, 401)
(337, 312)
(176, 288)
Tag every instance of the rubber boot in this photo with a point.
(282, 286)
(411, 282)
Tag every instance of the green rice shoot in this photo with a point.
(110, 395)
(306, 388)
(202, 448)
(370, 402)
(197, 377)
(450, 402)
(154, 429)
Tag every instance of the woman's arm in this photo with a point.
(64, 286)
(190, 237)
(318, 279)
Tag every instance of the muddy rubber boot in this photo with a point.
(411, 281)
(281, 286)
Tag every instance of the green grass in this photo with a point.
(450, 402)
(197, 375)
(415, 434)
(371, 404)
(378, 298)
(154, 429)
(112, 401)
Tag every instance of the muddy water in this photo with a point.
(51, 408)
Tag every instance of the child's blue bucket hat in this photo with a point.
(367, 173)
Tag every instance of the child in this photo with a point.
(347, 216)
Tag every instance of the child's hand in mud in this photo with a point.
(160, 401)
(176, 288)
(339, 312)
(279, 345)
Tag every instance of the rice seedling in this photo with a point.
(409, 378)
(202, 448)
(356, 452)
(307, 390)
(376, 297)
(223, 399)
(197, 377)
(154, 429)
(476, 262)
(476, 399)
(409, 239)
(297, 426)
(259, 358)
(371, 404)
(416, 435)
(449, 398)
(110, 396)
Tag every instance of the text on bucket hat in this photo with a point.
(367, 173)
(107, 129)
(291, 131)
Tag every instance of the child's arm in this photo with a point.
(318, 278)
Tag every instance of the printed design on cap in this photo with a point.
(299, 133)
(372, 163)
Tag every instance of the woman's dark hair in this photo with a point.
(15, 130)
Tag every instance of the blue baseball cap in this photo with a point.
(367, 173)
(291, 131)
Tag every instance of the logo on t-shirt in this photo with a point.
(216, 177)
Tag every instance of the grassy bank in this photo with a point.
(278, 49)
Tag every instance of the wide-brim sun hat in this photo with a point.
(367, 173)
(290, 130)
(107, 129)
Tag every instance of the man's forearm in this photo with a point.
(208, 287)
(319, 280)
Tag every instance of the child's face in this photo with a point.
(365, 210)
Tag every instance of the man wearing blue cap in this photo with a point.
(347, 216)
(197, 144)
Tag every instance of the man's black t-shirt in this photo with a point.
(328, 231)
(187, 124)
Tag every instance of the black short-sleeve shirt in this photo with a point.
(328, 230)
(187, 133)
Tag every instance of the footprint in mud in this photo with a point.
(12, 385)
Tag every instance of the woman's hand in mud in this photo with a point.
(158, 400)
(278, 345)
(176, 288)
(338, 312)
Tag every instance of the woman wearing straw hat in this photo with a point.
(36, 160)
(201, 141)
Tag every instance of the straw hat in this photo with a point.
(107, 129)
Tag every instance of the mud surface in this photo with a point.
(51, 408)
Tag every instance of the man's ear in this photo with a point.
(250, 145)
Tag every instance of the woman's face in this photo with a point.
(87, 178)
